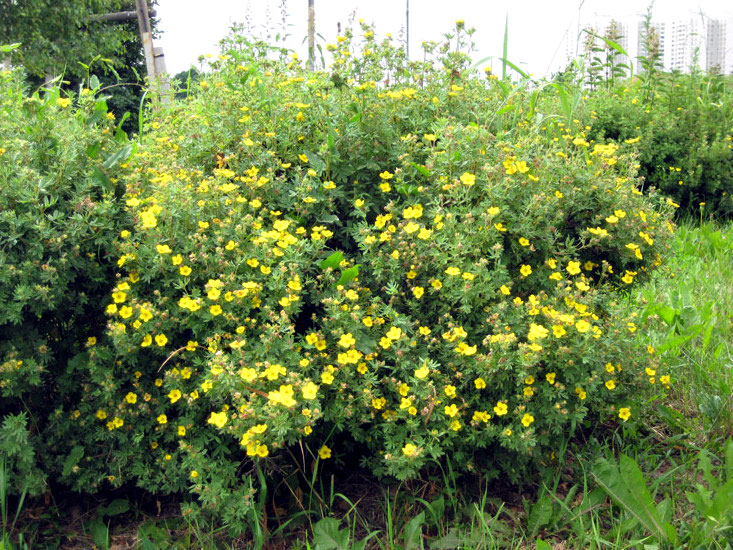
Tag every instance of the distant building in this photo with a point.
(681, 44)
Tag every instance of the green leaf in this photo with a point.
(315, 161)
(115, 508)
(73, 459)
(348, 274)
(332, 261)
(413, 532)
(102, 179)
(420, 168)
(7, 48)
(542, 545)
(93, 150)
(667, 314)
(100, 533)
(625, 484)
(540, 515)
(327, 536)
(121, 155)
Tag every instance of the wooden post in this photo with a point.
(146, 36)
(311, 33)
(117, 16)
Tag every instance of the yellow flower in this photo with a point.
(451, 410)
(582, 326)
(174, 395)
(624, 413)
(147, 341)
(523, 241)
(411, 227)
(194, 473)
(161, 340)
(527, 419)
(218, 419)
(184, 270)
(125, 312)
(131, 398)
(453, 271)
(525, 270)
(409, 450)
(501, 409)
(573, 268)
(63, 102)
(148, 219)
(550, 376)
(162, 419)
(163, 249)
(310, 390)
(215, 310)
(324, 453)
(468, 179)
(394, 333)
(480, 383)
(422, 372)
(100, 414)
(611, 384)
(181, 431)
(505, 290)
(346, 340)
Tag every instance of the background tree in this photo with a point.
(59, 39)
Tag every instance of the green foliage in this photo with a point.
(56, 35)
(58, 219)
(20, 471)
(683, 132)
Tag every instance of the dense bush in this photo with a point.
(684, 134)
(58, 219)
(385, 263)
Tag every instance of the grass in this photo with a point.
(611, 491)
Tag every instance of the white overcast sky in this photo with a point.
(537, 28)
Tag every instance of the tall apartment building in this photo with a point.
(715, 45)
(705, 43)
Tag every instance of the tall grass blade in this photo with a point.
(504, 61)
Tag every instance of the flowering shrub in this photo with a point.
(58, 218)
(683, 134)
(308, 256)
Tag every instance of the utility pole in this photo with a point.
(154, 58)
(407, 30)
(311, 33)
(146, 36)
